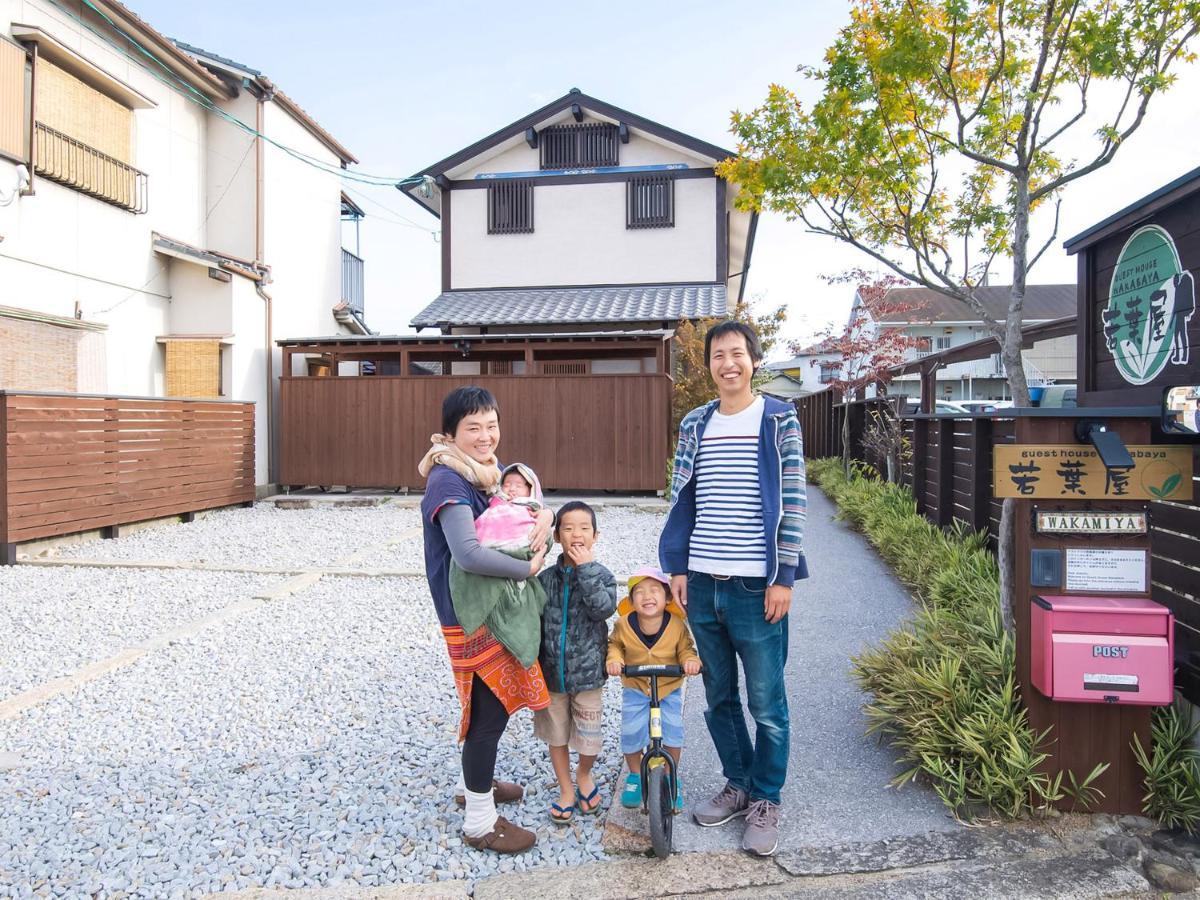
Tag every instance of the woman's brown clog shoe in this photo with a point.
(505, 837)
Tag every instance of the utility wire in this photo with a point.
(407, 221)
(190, 93)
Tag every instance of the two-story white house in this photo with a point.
(584, 217)
(937, 323)
(154, 234)
(809, 371)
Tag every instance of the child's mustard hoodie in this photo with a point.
(673, 648)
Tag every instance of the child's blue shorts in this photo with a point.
(635, 720)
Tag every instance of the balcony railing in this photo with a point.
(63, 159)
(352, 281)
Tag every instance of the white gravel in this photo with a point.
(308, 742)
(55, 620)
(260, 536)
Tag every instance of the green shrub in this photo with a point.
(943, 686)
(1171, 768)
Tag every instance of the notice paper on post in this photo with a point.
(1110, 571)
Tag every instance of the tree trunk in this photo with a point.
(846, 437)
(1007, 560)
(1010, 347)
(1014, 368)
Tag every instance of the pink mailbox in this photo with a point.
(1103, 650)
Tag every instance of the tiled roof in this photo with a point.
(1043, 302)
(615, 303)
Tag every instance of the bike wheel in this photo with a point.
(662, 810)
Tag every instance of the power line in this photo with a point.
(407, 221)
(199, 99)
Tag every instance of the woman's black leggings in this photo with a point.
(489, 718)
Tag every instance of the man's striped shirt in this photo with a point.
(728, 538)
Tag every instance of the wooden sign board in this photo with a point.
(1073, 471)
(1091, 522)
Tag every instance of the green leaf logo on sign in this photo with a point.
(1150, 302)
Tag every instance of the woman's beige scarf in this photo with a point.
(485, 476)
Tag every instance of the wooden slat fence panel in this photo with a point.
(1175, 578)
(603, 432)
(79, 462)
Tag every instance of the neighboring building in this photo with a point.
(584, 217)
(141, 257)
(940, 323)
(809, 371)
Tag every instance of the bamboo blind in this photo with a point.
(193, 368)
(14, 124)
(66, 104)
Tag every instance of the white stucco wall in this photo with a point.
(248, 364)
(199, 304)
(579, 229)
(580, 238)
(231, 169)
(62, 247)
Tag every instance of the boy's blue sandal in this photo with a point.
(564, 813)
(589, 805)
(631, 796)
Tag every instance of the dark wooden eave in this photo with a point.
(565, 103)
(1183, 186)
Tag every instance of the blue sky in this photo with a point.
(405, 84)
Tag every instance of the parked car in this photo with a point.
(978, 406)
(941, 407)
(1058, 396)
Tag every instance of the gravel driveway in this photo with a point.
(306, 741)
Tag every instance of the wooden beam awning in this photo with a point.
(455, 343)
(534, 350)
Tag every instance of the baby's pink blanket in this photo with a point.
(505, 524)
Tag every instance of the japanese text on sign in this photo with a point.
(1072, 471)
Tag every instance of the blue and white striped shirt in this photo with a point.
(729, 538)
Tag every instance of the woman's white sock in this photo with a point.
(480, 817)
(460, 789)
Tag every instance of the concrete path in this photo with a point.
(837, 789)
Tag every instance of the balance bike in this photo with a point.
(660, 783)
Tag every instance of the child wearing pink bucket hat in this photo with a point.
(651, 629)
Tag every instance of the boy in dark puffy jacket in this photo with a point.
(581, 594)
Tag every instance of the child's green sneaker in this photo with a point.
(631, 796)
(678, 795)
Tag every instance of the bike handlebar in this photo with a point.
(652, 671)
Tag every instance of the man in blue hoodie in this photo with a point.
(733, 543)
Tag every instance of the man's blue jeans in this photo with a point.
(726, 615)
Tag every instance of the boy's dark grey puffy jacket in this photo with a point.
(574, 625)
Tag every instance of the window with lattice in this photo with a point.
(650, 202)
(585, 145)
(510, 207)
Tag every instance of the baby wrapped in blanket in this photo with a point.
(511, 610)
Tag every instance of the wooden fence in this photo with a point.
(603, 432)
(949, 468)
(76, 462)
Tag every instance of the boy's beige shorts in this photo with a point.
(573, 719)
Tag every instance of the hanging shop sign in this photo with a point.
(1151, 300)
(1073, 471)
(1091, 522)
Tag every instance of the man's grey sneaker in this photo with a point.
(730, 803)
(762, 828)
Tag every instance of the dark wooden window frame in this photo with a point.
(585, 145)
(510, 207)
(650, 202)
